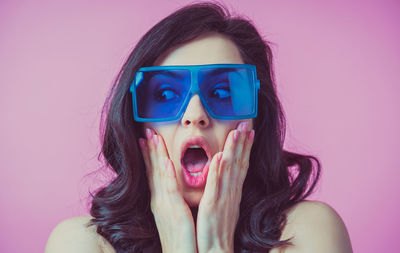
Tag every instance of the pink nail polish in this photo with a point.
(251, 135)
(148, 134)
(242, 126)
(235, 135)
(245, 126)
(155, 140)
(141, 143)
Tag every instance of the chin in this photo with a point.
(193, 198)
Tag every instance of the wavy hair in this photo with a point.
(276, 180)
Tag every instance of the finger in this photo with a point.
(239, 138)
(246, 155)
(151, 162)
(154, 159)
(145, 153)
(230, 168)
(161, 148)
(171, 184)
(211, 192)
(233, 148)
(165, 168)
(170, 177)
(162, 154)
(228, 151)
(225, 166)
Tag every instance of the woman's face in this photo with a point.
(196, 126)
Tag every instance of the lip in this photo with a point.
(200, 180)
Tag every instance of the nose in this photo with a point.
(195, 114)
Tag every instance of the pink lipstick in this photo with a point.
(195, 161)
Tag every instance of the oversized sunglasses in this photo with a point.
(227, 91)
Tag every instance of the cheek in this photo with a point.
(167, 134)
(223, 129)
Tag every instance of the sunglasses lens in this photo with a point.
(160, 94)
(228, 92)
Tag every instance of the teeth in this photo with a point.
(195, 174)
(194, 146)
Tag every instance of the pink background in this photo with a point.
(337, 65)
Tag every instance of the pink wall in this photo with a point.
(337, 67)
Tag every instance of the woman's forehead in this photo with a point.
(211, 48)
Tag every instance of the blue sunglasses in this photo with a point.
(227, 91)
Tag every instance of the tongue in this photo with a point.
(195, 167)
(195, 159)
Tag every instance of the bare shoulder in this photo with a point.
(315, 227)
(74, 235)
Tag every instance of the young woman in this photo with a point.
(194, 132)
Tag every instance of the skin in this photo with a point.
(313, 227)
(230, 142)
(209, 49)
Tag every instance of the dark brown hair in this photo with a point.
(121, 210)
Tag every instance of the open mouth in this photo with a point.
(194, 160)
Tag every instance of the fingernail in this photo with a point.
(251, 135)
(148, 134)
(155, 140)
(244, 126)
(141, 143)
(235, 135)
(219, 156)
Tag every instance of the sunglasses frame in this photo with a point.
(194, 89)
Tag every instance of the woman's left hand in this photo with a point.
(218, 211)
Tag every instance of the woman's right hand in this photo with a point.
(172, 215)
